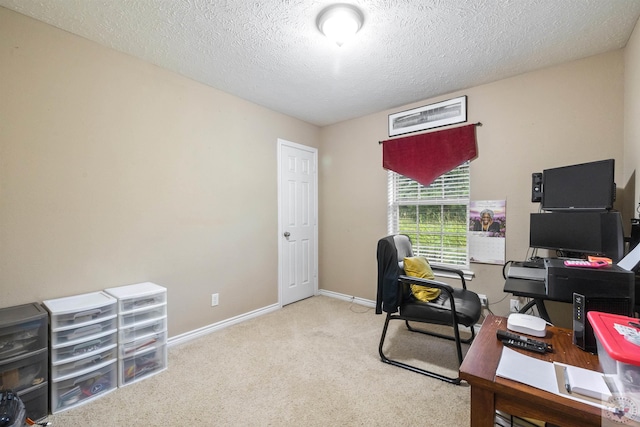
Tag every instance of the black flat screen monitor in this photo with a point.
(593, 233)
(585, 186)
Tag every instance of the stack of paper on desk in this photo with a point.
(550, 377)
(587, 383)
(528, 370)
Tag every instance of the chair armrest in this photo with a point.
(426, 282)
(446, 288)
(451, 270)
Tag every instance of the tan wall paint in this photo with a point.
(557, 116)
(114, 171)
(632, 122)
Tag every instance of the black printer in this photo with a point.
(609, 289)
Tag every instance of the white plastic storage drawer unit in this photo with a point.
(142, 331)
(63, 353)
(144, 363)
(84, 362)
(126, 349)
(83, 340)
(83, 386)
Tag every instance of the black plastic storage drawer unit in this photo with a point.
(24, 361)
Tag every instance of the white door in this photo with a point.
(297, 221)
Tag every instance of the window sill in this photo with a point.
(468, 274)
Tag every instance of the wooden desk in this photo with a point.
(490, 393)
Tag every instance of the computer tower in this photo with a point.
(583, 335)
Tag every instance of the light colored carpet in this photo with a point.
(312, 363)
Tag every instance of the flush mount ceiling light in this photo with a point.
(340, 22)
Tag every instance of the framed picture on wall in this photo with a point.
(430, 116)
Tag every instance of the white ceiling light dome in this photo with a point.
(340, 22)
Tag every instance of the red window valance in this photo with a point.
(425, 157)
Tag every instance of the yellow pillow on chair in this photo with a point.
(418, 266)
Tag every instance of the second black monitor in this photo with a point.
(578, 232)
(584, 186)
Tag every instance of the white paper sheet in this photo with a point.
(537, 373)
(587, 382)
(527, 370)
(632, 259)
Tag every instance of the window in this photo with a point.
(434, 217)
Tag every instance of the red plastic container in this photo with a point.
(618, 354)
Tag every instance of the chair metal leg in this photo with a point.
(411, 368)
(459, 341)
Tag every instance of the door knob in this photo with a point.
(287, 234)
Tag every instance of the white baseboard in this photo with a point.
(348, 298)
(205, 330)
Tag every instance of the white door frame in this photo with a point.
(281, 143)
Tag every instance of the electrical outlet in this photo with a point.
(214, 300)
(483, 300)
(514, 306)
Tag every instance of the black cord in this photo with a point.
(504, 269)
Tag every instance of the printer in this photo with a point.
(608, 289)
(611, 281)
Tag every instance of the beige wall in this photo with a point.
(114, 171)
(553, 117)
(632, 122)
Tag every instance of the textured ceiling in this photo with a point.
(271, 53)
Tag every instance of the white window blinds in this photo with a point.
(434, 217)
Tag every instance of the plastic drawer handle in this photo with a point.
(93, 313)
(143, 302)
(95, 376)
(90, 360)
(84, 345)
(138, 346)
(87, 330)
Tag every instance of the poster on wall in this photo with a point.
(487, 230)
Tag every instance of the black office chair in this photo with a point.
(454, 307)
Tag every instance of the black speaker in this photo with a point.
(536, 187)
